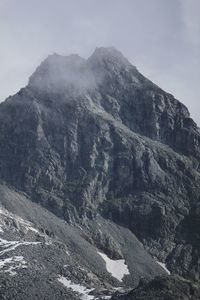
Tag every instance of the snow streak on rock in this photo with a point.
(164, 267)
(10, 221)
(12, 245)
(9, 265)
(81, 290)
(18, 221)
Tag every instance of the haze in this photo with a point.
(160, 37)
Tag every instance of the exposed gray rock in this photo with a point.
(165, 288)
(95, 140)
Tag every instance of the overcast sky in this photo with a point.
(160, 37)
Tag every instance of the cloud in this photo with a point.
(160, 37)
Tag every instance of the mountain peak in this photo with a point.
(109, 55)
(58, 73)
(108, 52)
(56, 58)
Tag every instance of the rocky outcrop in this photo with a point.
(95, 137)
(165, 288)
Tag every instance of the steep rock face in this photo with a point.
(89, 137)
(142, 106)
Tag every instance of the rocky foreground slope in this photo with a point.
(98, 166)
(165, 288)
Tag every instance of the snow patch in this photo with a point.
(9, 265)
(164, 267)
(117, 268)
(83, 291)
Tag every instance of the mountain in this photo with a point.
(99, 170)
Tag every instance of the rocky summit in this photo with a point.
(99, 185)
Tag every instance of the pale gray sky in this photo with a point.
(160, 37)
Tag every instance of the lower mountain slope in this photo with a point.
(42, 255)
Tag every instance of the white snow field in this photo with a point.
(117, 268)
